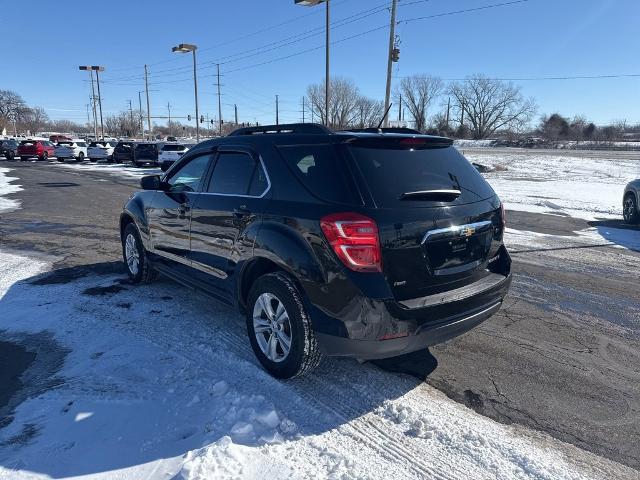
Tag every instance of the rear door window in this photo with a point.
(238, 174)
(392, 172)
(323, 171)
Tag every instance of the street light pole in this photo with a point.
(93, 105)
(185, 48)
(146, 89)
(100, 100)
(327, 81)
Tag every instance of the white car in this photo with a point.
(71, 149)
(171, 152)
(100, 151)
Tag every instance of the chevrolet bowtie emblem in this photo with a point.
(467, 231)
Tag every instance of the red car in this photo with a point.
(42, 149)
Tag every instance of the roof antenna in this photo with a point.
(383, 117)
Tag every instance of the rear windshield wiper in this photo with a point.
(440, 195)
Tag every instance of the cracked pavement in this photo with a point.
(562, 356)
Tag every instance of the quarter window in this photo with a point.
(188, 177)
(238, 174)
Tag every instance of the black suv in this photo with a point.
(8, 149)
(356, 244)
(123, 152)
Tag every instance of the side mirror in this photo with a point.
(151, 182)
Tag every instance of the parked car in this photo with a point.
(631, 202)
(71, 149)
(145, 153)
(8, 148)
(169, 153)
(367, 245)
(41, 149)
(123, 152)
(100, 150)
(58, 138)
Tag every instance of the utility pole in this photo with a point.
(302, 109)
(392, 36)
(100, 100)
(169, 121)
(326, 73)
(88, 116)
(131, 115)
(140, 125)
(277, 113)
(235, 109)
(219, 102)
(462, 114)
(146, 89)
(448, 110)
(400, 109)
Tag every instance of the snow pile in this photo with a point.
(6, 187)
(461, 143)
(161, 383)
(117, 169)
(587, 188)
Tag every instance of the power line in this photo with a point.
(527, 79)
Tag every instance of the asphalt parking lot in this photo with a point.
(562, 356)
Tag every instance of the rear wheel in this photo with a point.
(9, 155)
(44, 156)
(630, 209)
(135, 256)
(279, 328)
(81, 157)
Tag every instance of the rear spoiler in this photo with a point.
(398, 141)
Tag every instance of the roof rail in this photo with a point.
(384, 130)
(307, 128)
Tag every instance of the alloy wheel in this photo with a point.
(131, 254)
(629, 209)
(272, 327)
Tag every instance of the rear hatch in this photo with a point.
(439, 221)
(64, 149)
(146, 152)
(97, 149)
(28, 147)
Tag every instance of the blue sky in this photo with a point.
(538, 38)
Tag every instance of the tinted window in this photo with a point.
(238, 174)
(322, 170)
(146, 148)
(187, 178)
(81, 144)
(173, 148)
(394, 171)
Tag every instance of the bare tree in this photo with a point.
(121, 124)
(486, 105)
(12, 108)
(343, 102)
(34, 119)
(368, 112)
(418, 92)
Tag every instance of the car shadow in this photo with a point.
(618, 232)
(147, 373)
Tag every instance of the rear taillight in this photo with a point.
(354, 239)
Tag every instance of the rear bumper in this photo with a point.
(388, 328)
(426, 336)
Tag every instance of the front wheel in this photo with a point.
(630, 209)
(279, 328)
(81, 157)
(135, 256)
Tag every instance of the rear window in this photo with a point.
(96, 144)
(392, 172)
(146, 147)
(65, 143)
(173, 148)
(27, 142)
(322, 171)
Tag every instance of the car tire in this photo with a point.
(81, 157)
(630, 211)
(136, 259)
(44, 157)
(10, 155)
(270, 294)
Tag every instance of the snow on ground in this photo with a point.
(587, 188)
(6, 187)
(161, 383)
(595, 236)
(118, 169)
